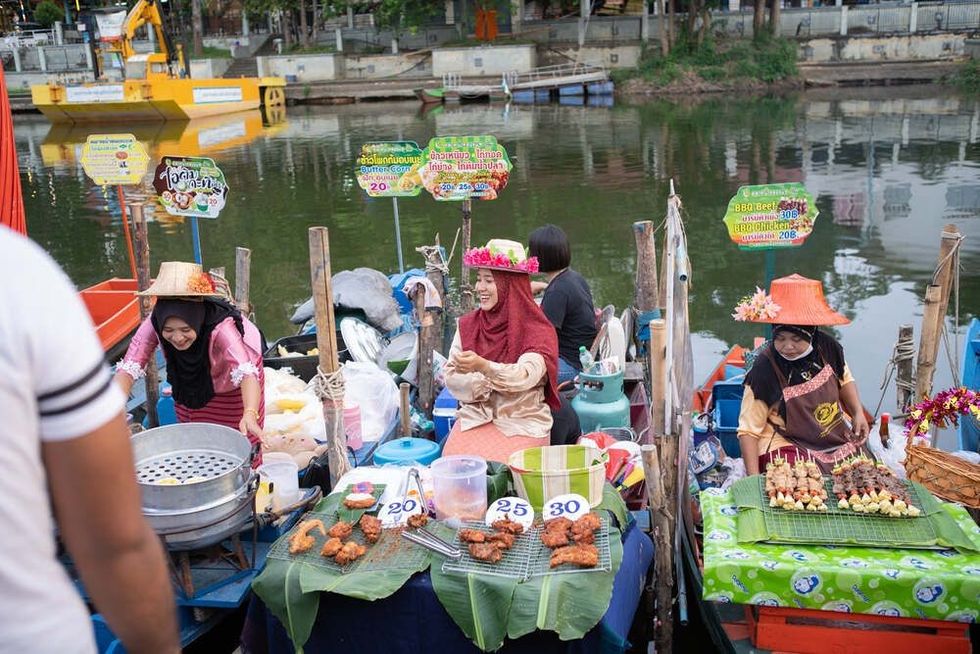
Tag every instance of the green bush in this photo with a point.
(967, 78)
(48, 13)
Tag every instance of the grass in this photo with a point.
(967, 77)
(298, 49)
(765, 59)
(210, 52)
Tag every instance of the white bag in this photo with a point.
(375, 392)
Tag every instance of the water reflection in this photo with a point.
(888, 168)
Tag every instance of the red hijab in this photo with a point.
(514, 325)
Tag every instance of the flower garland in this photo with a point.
(200, 282)
(943, 410)
(757, 306)
(484, 258)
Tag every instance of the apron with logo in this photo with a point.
(815, 420)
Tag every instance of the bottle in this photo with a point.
(883, 428)
(585, 358)
(166, 412)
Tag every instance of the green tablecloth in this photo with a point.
(936, 584)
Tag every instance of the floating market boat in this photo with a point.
(970, 376)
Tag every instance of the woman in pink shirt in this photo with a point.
(213, 352)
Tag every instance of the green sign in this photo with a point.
(390, 169)
(770, 216)
(464, 167)
(190, 186)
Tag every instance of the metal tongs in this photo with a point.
(423, 536)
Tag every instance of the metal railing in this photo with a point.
(553, 73)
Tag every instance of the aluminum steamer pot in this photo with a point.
(196, 482)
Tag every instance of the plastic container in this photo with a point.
(303, 367)
(460, 487)
(406, 451)
(541, 473)
(352, 425)
(284, 477)
(166, 411)
(444, 414)
(727, 398)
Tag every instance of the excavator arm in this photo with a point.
(147, 12)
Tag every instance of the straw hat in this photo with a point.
(501, 254)
(180, 279)
(793, 300)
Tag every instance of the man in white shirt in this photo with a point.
(64, 444)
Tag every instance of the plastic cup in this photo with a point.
(352, 425)
(284, 477)
(460, 487)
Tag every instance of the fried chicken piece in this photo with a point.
(301, 541)
(508, 526)
(558, 523)
(584, 556)
(471, 536)
(418, 520)
(555, 533)
(488, 552)
(340, 530)
(331, 547)
(371, 527)
(587, 523)
(502, 540)
(359, 501)
(351, 551)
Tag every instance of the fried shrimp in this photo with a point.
(301, 541)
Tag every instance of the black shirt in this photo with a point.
(568, 304)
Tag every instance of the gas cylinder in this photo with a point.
(600, 401)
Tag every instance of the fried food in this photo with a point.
(301, 541)
(584, 556)
(418, 520)
(351, 551)
(508, 526)
(340, 530)
(371, 527)
(583, 529)
(502, 540)
(331, 547)
(558, 523)
(556, 532)
(359, 501)
(488, 552)
(472, 536)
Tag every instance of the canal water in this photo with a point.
(888, 167)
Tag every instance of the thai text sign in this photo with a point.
(770, 216)
(114, 159)
(390, 169)
(464, 167)
(190, 186)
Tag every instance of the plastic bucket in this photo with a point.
(541, 473)
(460, 487)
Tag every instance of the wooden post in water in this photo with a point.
(658, 376)
(243, 279)
(934, 312)
(326, 342)
(435, 272)
(647, 290)
(142, 259)
(904, 382)
(663, 477)
(427, 338)
(465, 292)
(125, 222)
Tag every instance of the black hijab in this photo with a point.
(189, 371)
(763, 380)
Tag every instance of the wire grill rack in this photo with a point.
(847, 527)
(541, 558)
(389, 553)
(513, 564)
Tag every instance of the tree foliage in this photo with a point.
(48, 13)
(397, 15)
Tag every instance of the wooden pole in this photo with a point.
(427, 337)
(658, 376)
(663, 475)
(405, 409)
(126, 235)
(904, 383)
(142, 262)
(465, 292)
(934, 313)
(647, 289)
(434, 271)
(243, 279)
(326, 342)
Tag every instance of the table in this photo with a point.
(929, 584)
(412, 620)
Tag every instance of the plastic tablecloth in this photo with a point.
(929, 584)
(412, 620)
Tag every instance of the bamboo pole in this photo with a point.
(660, 472)
(934, 313)
(647, 290)
(427, 337)
(904, 382)
(142, 258)
(435, 272)
(405, 409)
(326, 341)
(658, 376)
(243, 279)
(465, 292)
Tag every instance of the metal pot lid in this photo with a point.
(363, 342)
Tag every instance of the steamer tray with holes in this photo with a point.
(513, 564)
(194, 479)
(541, 557)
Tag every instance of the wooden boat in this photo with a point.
(114, 308)
(969, 430)
(430, 96)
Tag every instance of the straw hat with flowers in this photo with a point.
(792, 300)
(179, 279)
(501, 254)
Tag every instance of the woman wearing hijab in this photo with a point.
(503, 362)
(800, 386)
(213, 353)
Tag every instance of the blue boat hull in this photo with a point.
(970, 376)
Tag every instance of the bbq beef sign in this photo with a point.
(190, 186)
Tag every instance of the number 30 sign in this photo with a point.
(569, 506)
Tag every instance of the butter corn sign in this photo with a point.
(770, 216)
(389, 169)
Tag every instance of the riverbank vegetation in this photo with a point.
(710, 64)
(967, 77)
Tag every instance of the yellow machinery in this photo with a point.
(154, 86)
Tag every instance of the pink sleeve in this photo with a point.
(141, 348)
(234, 357)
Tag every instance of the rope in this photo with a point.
(903, 351)
(953, 257)
(329, 386)
(434, 264)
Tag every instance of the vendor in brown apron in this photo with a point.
(799, 387)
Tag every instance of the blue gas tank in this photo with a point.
(601, 402)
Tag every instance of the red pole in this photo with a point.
(129, 240)
(11, 198)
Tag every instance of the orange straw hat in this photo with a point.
(793, 300)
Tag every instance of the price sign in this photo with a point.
(111, 159)
(569, 506)
(190, 186)
(513, 508)
(770, 216)
(389, 169)
(464, 168)
(397, 512)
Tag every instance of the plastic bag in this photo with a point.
(362, 288)
(375, 392)
(892, 456)
(293, 417)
